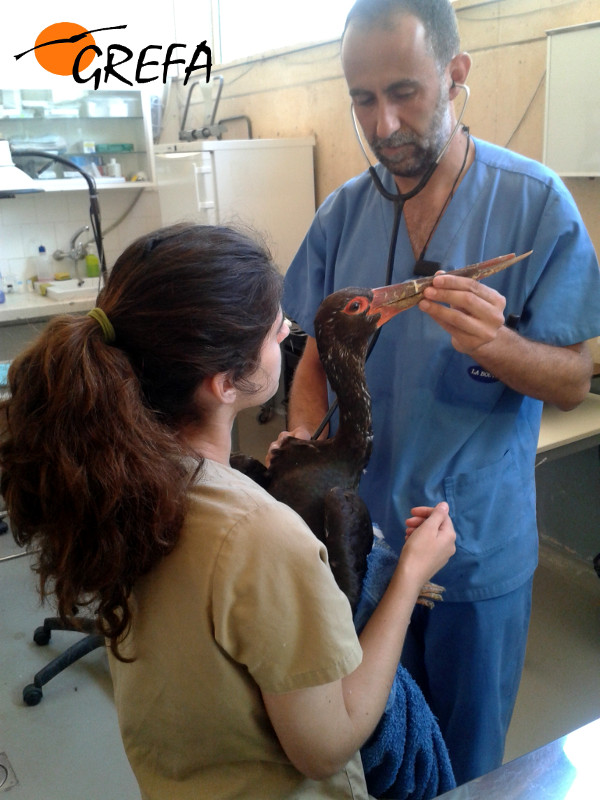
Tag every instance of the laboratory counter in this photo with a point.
(566, 769)
(566, 432)
(26, 306)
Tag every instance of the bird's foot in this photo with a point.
(429, 594)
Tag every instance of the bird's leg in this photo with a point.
(430, 593)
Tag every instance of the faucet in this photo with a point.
(209, 127)
(77, 250)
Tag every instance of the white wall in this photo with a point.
(51, 219)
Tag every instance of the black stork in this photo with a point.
(319, 478)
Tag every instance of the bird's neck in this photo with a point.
(346, 375)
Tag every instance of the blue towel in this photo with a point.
(406, 756)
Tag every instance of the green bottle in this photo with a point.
(92, 265)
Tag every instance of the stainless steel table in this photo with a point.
(566, 769)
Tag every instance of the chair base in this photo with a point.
(32, 693)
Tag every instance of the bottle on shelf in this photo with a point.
(92, 265)
(43, 268)
(8, 283)
(113, 168)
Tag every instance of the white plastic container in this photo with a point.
(113, 168)
(8, 283)
(44, 267)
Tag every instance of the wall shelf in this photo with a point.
(87, 127)
(80, 185)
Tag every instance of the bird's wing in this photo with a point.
(349, 538)
(251, 467)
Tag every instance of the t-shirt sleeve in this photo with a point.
(277, 609)
(562, 308)
(304, 284)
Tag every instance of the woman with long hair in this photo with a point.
(236, 667)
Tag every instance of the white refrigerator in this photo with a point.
(266, 185)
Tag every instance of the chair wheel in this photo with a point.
(32, 695)
(41, 635)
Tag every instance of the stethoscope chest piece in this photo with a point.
(426, 268)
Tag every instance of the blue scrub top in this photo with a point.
(443, 428)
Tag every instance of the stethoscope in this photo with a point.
(398, 199)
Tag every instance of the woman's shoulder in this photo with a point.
(230, 501)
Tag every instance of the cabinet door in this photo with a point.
(186, 187)
(270, 189)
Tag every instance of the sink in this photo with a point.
(70, 290)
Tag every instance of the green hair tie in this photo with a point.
(107, 329)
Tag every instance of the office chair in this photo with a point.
(32, 693)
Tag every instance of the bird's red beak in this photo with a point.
(390, 300)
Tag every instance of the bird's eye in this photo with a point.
(356, 306)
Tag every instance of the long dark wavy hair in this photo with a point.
(91, 465)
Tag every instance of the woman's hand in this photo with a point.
(419, 514)
(430, 541)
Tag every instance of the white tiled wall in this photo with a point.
(51, 219)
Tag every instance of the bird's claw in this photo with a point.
(429, 594)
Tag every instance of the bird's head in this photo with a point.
(353, 313)
(356, 313)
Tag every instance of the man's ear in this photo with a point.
(458, 69)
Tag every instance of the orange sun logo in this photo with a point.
(63, 41)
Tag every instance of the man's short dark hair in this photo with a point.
(437, 16)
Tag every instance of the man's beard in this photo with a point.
(417, 152)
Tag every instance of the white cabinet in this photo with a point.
(89, 128)
(572, 123)
(267, 184)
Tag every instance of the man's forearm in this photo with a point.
(557, 375)
(307, 402)
(473, 315)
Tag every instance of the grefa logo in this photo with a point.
(66, 48)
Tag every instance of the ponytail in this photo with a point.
(88, 473)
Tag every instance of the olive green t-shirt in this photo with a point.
(245, 602)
